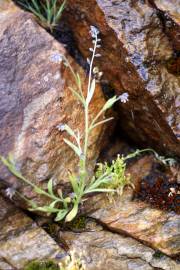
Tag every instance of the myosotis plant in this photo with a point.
(81, 184)
(48, 11)
(107, 178)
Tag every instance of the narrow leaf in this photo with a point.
(61, 214)
(99, 190)
(101, 122)
(39, 190)
(47, 209)
(91, 91)
(77, 95)
(58, 15)
(74, 183)
(52, 205)
(70, 131)
(109, 103)
(72, 214)
(73, 147)
(50, 187)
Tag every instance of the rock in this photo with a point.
(171, 7)
(103, 250)
(156, 228)
(170, 16)
(21, 240)
(35, 98)
(135, 54)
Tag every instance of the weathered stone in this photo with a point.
(170, 15)
(135, 51)
(156, 228)
(21, 240)
(35, 98)
(171, 7)
(103, 250)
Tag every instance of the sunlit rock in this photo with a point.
(137, 57)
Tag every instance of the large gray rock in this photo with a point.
(103, 250)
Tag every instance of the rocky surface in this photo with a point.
(136, 55)
(171, 7)
(170, 15)
(156, 228)
(35, 98)
(21, 240)
(103, 250)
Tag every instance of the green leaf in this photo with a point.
(99, 190)
(39, 190)
(52, 205)
(77, 95)
(73, 147)
(4, 161)
(101, 122)
(36, 6)
(58, 15)
(91, 91)
(47, 209)
(72, 214)
(109, 103)
(74, 182)
(69, 131)
(103, 179)
(50, 187)
(78, 81)
(61, 214)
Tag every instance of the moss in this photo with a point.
(158, 254)
(42, 265)
(79, 223)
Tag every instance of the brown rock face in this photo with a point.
(103, 250)
(135, 53)
(170, 11)
(35, 98)
(126, 214)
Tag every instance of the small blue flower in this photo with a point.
(124, 97)
(94, 31)
(60, 127)
(56, 57)
(10, 192)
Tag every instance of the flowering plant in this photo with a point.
(67, 207)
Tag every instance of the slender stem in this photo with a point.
(18, 175)
(24, 198)
(86, 107)
(137, 152)
(86, 136)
